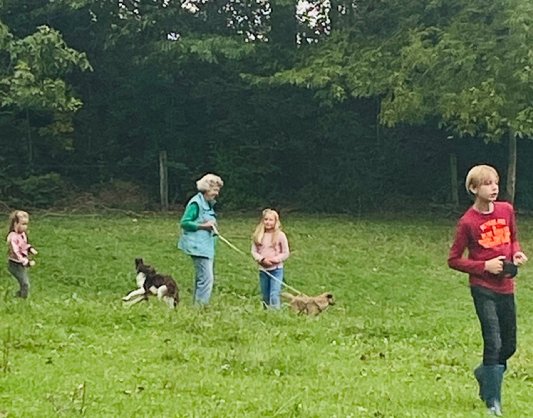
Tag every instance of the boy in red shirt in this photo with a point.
(487, 230)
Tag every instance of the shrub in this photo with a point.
(122, 195)
(39, 191)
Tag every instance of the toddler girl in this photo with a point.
(19, 250)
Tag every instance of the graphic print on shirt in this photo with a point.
(494, 232)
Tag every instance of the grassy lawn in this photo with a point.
(401, 341)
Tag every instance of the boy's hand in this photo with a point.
(31, 263)
(33, 251)
(495, 265)
(519, 258)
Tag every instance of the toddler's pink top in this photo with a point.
(18, 248)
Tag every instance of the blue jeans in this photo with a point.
(203, 279)
(271, 288)
(497, 317)
(20, 273)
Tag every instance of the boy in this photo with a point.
(488, 231)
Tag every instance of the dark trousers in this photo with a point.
(497, 317)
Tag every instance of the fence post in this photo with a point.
(163, 180)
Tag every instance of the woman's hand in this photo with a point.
(207, 226)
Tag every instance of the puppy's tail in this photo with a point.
(287, 296)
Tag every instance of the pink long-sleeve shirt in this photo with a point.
(277, 252)
(18, 247)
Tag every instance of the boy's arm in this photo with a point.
(519, 257)
(456, 260)
(188, 220)
(514, 233)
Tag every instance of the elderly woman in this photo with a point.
(198, 224)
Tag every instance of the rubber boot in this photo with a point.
(478, 373)
(492, 388)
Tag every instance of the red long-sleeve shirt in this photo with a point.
(485, 236)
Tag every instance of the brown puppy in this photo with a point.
(309, 305)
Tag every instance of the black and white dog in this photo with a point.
(149, 282)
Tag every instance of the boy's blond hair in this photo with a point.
(259, 232)
(479, 174)
(208, 182)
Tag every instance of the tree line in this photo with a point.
(337, 106)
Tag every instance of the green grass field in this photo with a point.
(401, 341)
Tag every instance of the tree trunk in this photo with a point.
(510, 187)
(163, 180)
(29, 139)
(453, 180)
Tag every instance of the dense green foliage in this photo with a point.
(401, 341)
(367, 109)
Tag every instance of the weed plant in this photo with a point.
(401, 341)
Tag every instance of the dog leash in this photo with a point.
(215, 230)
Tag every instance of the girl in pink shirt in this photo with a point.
(270, 249)
(19, 250)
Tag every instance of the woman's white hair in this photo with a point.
(208, 182)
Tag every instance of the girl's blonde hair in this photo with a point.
(478, 175)
(15, 217)
(259, 232)
(208, 182)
